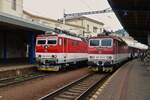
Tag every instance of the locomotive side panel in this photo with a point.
(121, 50)
(76, 50)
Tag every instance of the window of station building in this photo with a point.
(101, 30)
(13, 4)
(95, 29)
(88, 28)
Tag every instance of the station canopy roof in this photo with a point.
(134, 15)
(13, 23)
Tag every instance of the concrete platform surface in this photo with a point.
(15, 66)
(12, 70)
(130, 82)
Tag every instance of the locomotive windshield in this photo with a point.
(106, 42)
(101, 42)
(41, 41)
(94, 42)
(51, 41)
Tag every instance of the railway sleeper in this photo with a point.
(75, 91)
(66, 96)
(80, 88)
(71, 93)
(58, 98)
(82, 85)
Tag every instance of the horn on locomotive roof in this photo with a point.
(106, 32)
(59, 31)
(50, 32)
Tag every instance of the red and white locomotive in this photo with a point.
(58, 49)
(104, 51)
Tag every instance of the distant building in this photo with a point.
(91, 26)
(53, 23)
(13, 7)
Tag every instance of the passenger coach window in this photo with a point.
(94, 42)
(51, 42)
(106, 42)
(41, 41)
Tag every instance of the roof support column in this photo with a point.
(4, 47)
(148, 38)
(31, 43)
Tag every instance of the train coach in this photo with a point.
(105, 52)
(58, 49)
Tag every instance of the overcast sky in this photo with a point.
(54, 9)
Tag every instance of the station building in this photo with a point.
(13, 7)
(77, 29)
(91, 26)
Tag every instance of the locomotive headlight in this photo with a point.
(46, 46)
(38, 58)
(54, 56)
(109, 57)
(92, 57)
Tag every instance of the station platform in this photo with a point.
(130, 82)
(10, 70)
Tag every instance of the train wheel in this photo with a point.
(111, 69)
(105, 69)
(63, 67)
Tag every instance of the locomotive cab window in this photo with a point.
(41, 41)
(94, 42)
(52, 41)
(106, 42)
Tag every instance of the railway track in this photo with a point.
(78, 89)
(18, 79)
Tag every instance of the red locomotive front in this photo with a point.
(106, 51)
(57, 50)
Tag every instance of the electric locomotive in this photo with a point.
(58, 49)
(106, 51)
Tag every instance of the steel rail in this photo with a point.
(12, 81)
(80, 88)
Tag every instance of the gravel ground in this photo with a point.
(34, 89)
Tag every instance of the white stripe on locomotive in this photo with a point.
(65, 57)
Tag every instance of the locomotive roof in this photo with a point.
(63, 33)
(59, 31)
(107, 36)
